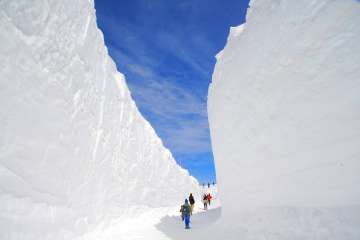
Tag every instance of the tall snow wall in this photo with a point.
(74, 149)
(284, 113)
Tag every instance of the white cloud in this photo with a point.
(181, 116)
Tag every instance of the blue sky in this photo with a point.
(166, 50)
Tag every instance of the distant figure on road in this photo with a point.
(185, 213)
(205, 201)
(208, 185)
(209, 197)
(192, 203)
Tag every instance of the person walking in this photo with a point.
(185, 213)
(192, 203)
(209, 197)
(205, 201)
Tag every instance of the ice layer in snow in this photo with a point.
(74, 150)
(284, 113)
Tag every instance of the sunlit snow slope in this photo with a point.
(74, 149)
(284, 112)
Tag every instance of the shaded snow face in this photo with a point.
(74, 150)
(284, 106)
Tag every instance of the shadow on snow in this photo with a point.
(173, 227)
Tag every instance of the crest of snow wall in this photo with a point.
(74, 149)
(284, 106)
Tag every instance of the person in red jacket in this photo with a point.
(209, 197)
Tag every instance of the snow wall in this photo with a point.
(284, 113)
(74, 149)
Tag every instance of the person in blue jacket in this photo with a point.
(185, 213)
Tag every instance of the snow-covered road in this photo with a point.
(253, 223)
(155, 223)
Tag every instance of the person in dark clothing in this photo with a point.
(192, 203)
(185, 213)
(205, 201)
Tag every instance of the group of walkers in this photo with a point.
(208, 184)
(188, 207)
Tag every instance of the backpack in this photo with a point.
(185, 209)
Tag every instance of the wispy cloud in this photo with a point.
(191, 137)
(167, 99)
(181, 116)
(189, 52)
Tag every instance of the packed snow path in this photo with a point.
(254, 223)
(156, 223)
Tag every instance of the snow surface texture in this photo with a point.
(284, 113)
(74, 150)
